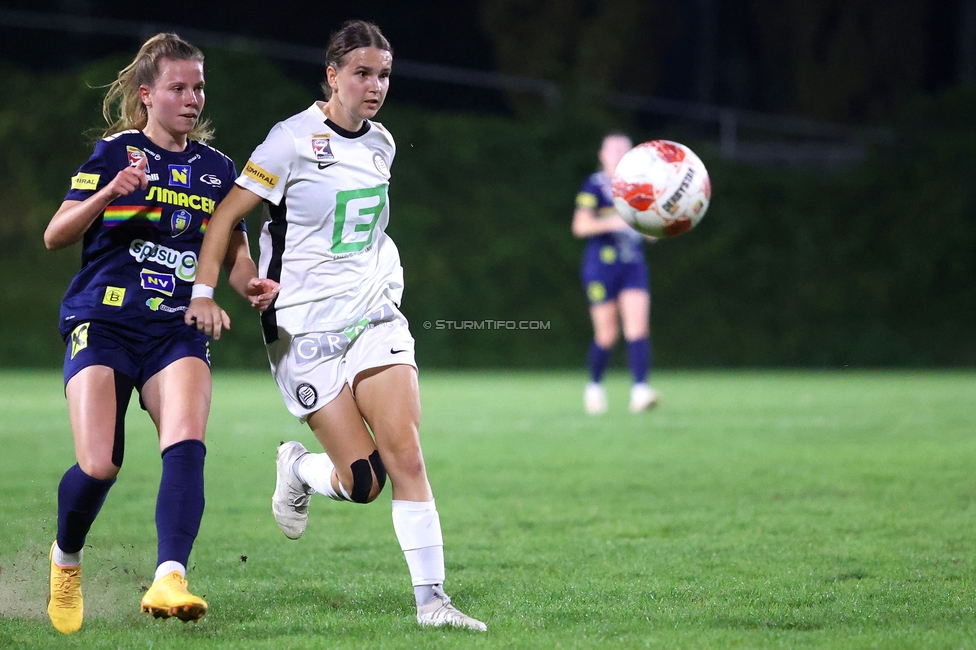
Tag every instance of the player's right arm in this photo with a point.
(74, 218)
(263, 179)
(204, 312)
(586, 223)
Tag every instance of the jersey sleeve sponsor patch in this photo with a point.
(585, 200)
(83, 181)
(262, 176)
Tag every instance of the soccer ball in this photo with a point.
(661, 188)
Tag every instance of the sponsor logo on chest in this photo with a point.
(184, 263)
(180, 176)
(164, 283)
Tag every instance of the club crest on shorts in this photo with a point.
(307, 395)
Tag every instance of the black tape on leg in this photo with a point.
(362, 481)
(123, 392)
(378, 468)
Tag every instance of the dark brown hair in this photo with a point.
(352, 36)
(130, 112)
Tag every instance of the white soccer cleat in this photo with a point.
(643, 398)
(290, 501)
(595, 399)
(440, 612)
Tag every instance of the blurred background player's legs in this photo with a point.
(635, 307)
(605, 332)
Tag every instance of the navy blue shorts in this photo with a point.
(603, 282)
(136, 355)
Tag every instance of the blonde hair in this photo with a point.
(122, 107)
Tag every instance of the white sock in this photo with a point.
(167, 568)
(425, 594)
(67, 559)
(315, 471)
(418, 529)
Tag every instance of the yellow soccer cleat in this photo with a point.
(168, 597)
(65, 605)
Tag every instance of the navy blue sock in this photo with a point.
(598, 359)
(80, 497)
(639, 359)
(179, 506)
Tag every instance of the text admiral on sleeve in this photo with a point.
(269, 168)
(91, 176)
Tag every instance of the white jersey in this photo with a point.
(326, 210)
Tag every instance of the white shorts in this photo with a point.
(311, 369)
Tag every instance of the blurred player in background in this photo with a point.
(616, 281)
(140, 206)
(340, 349)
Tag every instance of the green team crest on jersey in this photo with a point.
(359, 207)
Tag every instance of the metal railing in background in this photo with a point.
(811, 141)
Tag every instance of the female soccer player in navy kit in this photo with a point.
(140, 206)
(615, 278)
(339, 347)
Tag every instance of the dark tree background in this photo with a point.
(869, 264)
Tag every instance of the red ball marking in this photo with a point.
(677, 227)
(668, 152)
(639, 196)
(707, 188)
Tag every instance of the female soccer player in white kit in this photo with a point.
(339, 347)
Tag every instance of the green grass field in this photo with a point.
(752, 509)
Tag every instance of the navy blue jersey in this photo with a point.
(139, 257)
(624, 246)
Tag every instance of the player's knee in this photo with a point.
(606, 338)
(368, 478)
(99, 468)
(408, 465)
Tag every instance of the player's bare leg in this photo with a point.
(339, 428)
(93, 409)
(389, 399)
